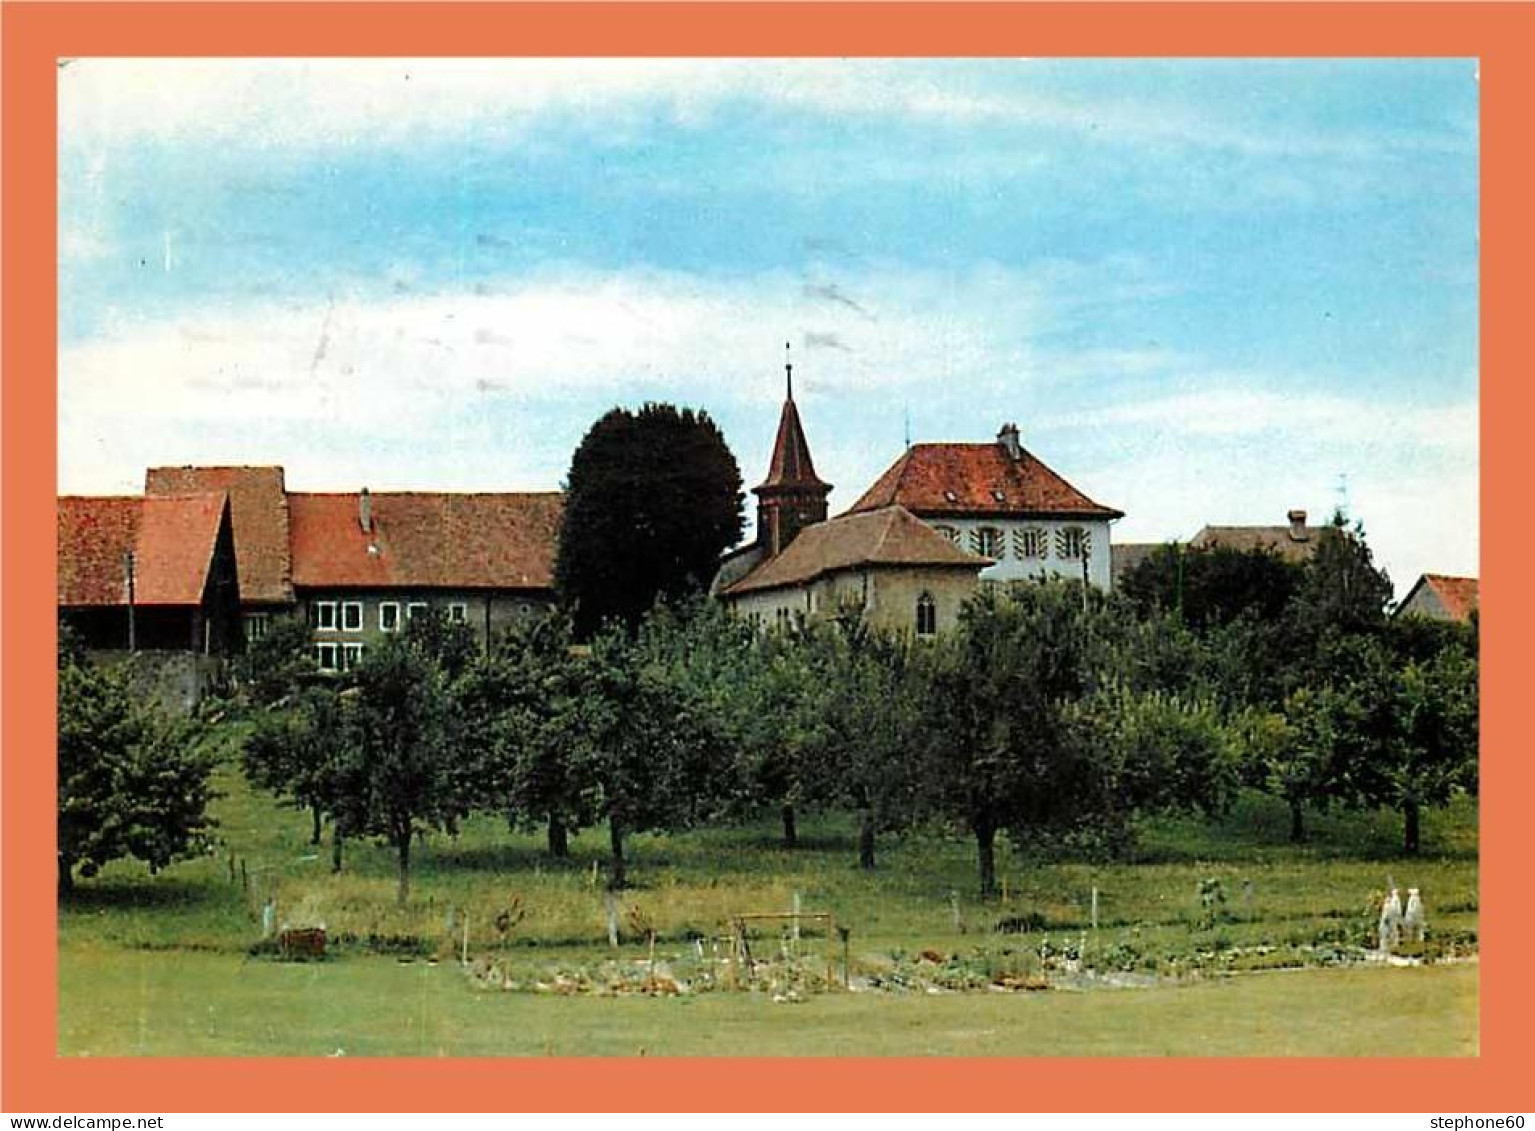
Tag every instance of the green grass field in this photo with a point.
(163, 965)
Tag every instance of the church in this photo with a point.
(943, 519)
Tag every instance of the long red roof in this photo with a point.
(977, 479)
(426, 539)
(172, 538)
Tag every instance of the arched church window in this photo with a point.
(948, 532)
(927, 615)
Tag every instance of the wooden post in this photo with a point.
(846, 979)
(1095, 907)
(610, 904)
(795, 923)
(465, 958)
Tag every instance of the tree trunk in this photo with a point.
(616, 878)
(66, 875)
(1297, 822)
(866, 840)
(336, 839)
(403, 844)
(1410, 812)
(986, 851)
(790, 833)
(316, 820)
(559, 838)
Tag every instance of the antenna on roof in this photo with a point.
(1342, 492)
(788, 368)
(906, 408)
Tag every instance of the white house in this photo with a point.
(1000, 501)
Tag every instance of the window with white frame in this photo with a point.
(415, 609)
(1031, 542)
(458, 612)
(351, 656)
(351, 616)
(324, 614)
(986, 541)
(1071, 542)
(325, 656)
(948, 532)
(927, 615)
(256, 625)
(389, 616)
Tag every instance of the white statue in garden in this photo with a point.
(1391, 922)
(1413, 920)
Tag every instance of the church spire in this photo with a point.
(792, 496)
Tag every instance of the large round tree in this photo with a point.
(652, 500)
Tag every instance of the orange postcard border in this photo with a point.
(34, 1078)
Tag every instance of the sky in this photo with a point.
(1207, 291)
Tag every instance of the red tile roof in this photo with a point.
(1457, 595)
(172, 538)
(791, 465)
(977, 479)
(426, 540)
(891, 536)
(259, 512)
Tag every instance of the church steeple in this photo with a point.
(792, 496)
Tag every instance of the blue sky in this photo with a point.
(1205, 290)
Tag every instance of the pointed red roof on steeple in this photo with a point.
(791, 465)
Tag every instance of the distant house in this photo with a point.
(885, 565)
(1439, 597)
(357, 566)
(1294, 542)
(138, 574)
(365, 563)
(1001, 502)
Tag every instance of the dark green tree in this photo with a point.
(1341, 588)
(134, 780)
(652, 499)
(280, 662)
(650, 748)
(403, 779)
(1434, 748)
(303, 750)
(526, 710)
(1145, 752)
(995, 747)
(1213, 585)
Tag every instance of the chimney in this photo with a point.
(365, 511)
(1008, 438)
(1297, 526)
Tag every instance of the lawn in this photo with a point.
(164, 965)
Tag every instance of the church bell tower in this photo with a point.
(791, 497)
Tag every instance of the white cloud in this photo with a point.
(304, 103)
(1244, 409)
(398, 369)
